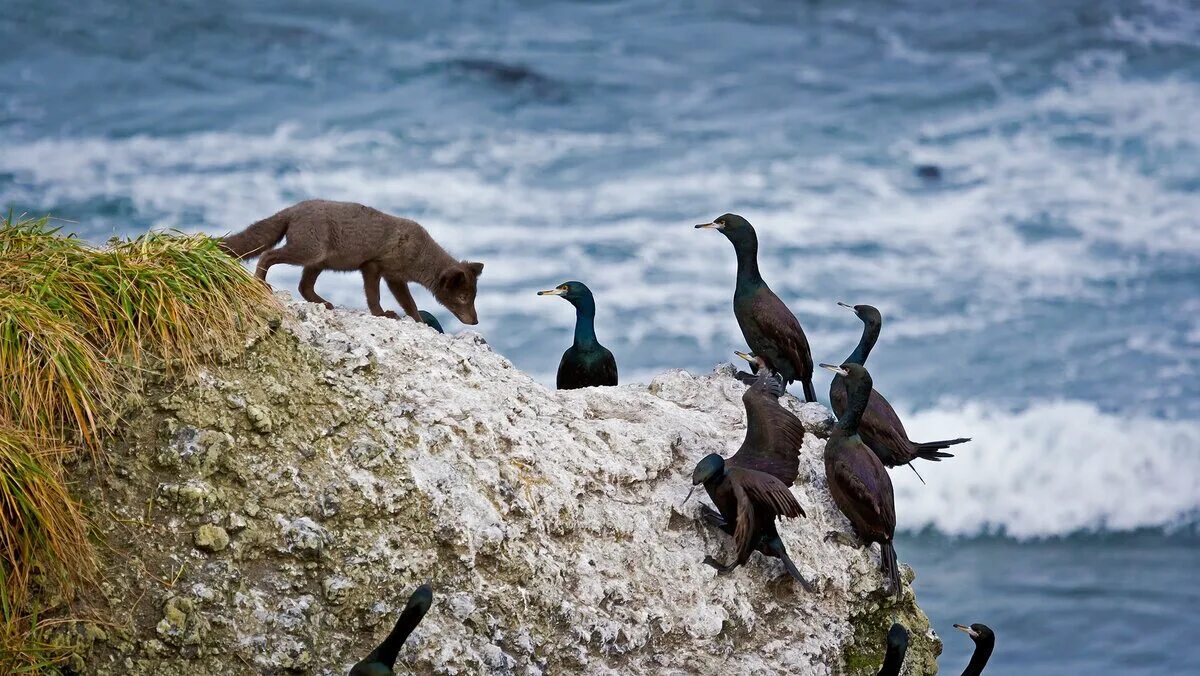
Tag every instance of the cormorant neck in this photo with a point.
(856, 406)
(979, 659)
(585, 321)
(388, 650)
(892, 662)
(746, 247)
(870, 334)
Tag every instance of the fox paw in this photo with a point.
(391, 314)
(328, 305)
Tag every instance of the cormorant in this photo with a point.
(383, 658)
(858, 481)
(586, 363)
(751, 489)
(985, 641)
(880, 427)
(897, 646)
(432, 321)
(769, 327)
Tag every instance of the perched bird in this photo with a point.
(880, 427)
(383, 658)
(985, 641)
(751, 489)
(586, 363)
(769, 327)
(857, 479)
(431, 321)
(897, 645)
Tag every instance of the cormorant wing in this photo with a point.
(883, 432)
(773, 433)
(758, 490)
(779, 325)
(608, 368)
(871, 507)
(586, 369)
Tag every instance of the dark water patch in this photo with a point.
(1130, 598)
(510, 77)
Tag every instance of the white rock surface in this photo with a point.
(550, 523)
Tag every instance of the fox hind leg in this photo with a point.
(308, 281)
(287, 253)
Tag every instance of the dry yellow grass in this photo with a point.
(74, 320)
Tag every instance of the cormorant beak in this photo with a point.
(689, 495)
(553, 292)
(967, 630)
(836, 369)
(848, 307)
(717, 226)
(748, 357)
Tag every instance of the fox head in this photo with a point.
(456, 290)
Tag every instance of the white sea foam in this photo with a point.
(1055, 468)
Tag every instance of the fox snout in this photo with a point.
(467, 316)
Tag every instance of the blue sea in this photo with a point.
(1042, 296)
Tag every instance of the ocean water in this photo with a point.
(1042, 297)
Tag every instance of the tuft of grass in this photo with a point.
(75, 322)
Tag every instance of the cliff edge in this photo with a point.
(272, 514)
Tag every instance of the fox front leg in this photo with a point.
(399, 289)
(371, 275)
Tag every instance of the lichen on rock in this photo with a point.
(345, 459)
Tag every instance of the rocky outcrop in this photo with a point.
(273, 513)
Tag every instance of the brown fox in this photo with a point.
(324, 235)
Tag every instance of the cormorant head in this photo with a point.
(735, 228)
(572, 291)
(857, 377)
(431, 321)
(756, 361)
(420, 600)
(710, 466)
(456, 288)
(897, 638)
(867, 313)
(979, 633)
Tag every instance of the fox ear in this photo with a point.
(453, 278)
(476, 268)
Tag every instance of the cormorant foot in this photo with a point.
(712, 517)
(721, 568)
(844, 539)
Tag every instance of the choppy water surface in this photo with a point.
(1042, 297)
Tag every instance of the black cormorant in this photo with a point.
(769, 327)
(858, 481)
(431, 321)
(751, 489)
(880, 427)
(897, 645)
(383, 658)
(985, 641)
(586, 363)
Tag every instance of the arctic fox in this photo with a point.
(324, 235)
